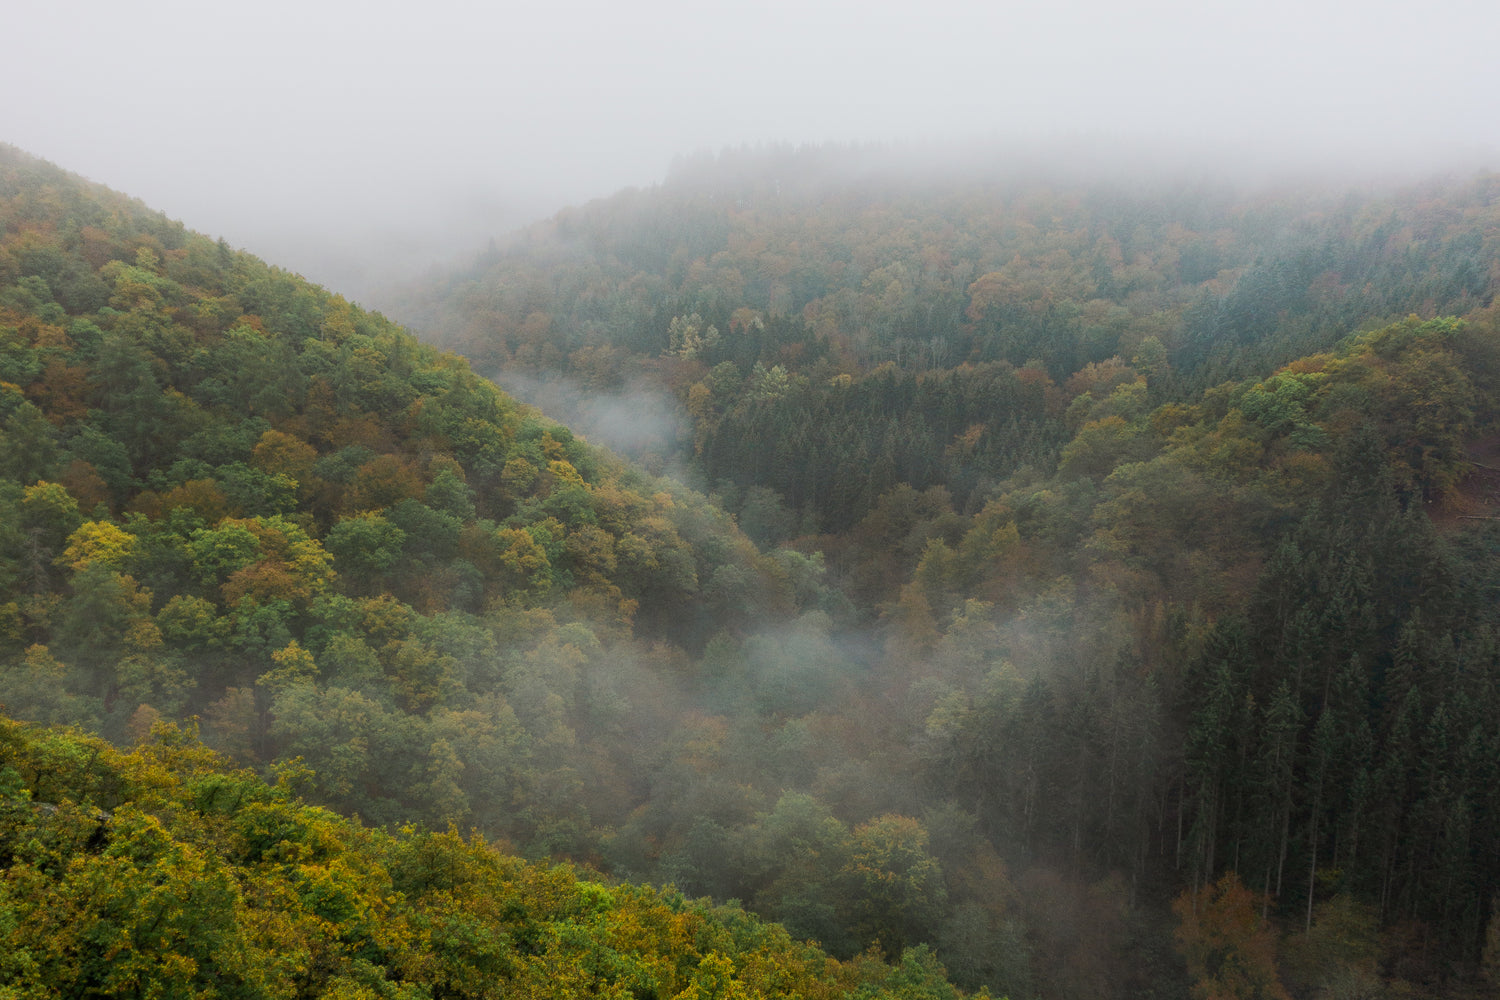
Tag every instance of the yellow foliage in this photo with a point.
(564, 474)
(294, 566)
(11, 624)
(518, 476)
(294, 665)
(142, 636)
(700, 400)
(40, 662)
(97, 542)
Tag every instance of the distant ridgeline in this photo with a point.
(833, 324)
(1134, 629)
(1136, 485)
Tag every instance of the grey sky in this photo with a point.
(327, 135)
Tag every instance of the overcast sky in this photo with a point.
(328, 135)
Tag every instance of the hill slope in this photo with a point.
(227, 493)
(163, 873)
(1085, 659)
(832, 323)
(1130, 482)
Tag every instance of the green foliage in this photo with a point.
(1125, 628)
(366, 545)
(158, 873)
(231, 495)
(897, 885)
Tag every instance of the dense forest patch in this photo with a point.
(1105, 599)
(163, 872)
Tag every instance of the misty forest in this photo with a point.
(808, 576)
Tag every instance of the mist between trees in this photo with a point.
(1094, 586)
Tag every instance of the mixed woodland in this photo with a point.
(1043, 585)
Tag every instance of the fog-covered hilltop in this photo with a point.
(834, 321)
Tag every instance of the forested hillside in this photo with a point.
(164, 873)
(230, 494)
(1160, 500)
(1107, 602)
(233, 497)
(833, 323)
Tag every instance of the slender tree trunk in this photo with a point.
(1312, 865)
(1181, 794)
(1286, 834)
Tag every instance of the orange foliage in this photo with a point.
(60, 392)
(43, 336)
(315, 422)
(294, 567)
(279, 452)
(1230, 951)
(263, 582)
(203, 496)
(98, 247)
(1100, 378)
(365, 429)
(384, 481)
(83, 481)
